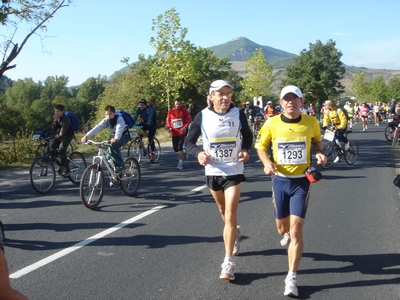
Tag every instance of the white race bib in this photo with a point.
(292, 151)
(177, 123)
(223, 149)
(329, 135)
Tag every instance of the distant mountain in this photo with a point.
(239, 49)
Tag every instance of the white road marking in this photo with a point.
(77, 246)
(199, 188)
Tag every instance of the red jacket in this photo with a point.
(177, 119)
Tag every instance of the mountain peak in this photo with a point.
(241, 48)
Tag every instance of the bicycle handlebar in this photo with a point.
(103, 143)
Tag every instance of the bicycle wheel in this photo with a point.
(351, 155)
(42, 175)
(77, 165)
(329, 150)
(156, 152)
(130, 177)
(92, 186)
(389, 133)
(134, 150)
(395, 138)
(40, 150)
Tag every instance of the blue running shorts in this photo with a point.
(290, 196)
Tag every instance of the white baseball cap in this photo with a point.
(291, 89)
(217, 84)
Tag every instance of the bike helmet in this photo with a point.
(269, 102)
(143, 101)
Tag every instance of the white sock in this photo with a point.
(181, 161)
(228, 258)
(291, 274)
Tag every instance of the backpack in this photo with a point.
(127, 117)
(74, 120)
(345, 112)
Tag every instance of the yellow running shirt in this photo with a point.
(291, 143)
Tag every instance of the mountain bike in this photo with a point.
(390, 128)
(42, 172)
(334, 148)
(258, 123)
(396, 137)
(39, 136)
(137, 149)
(93, 179)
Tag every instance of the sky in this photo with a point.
(91, 37)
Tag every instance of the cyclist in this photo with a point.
(269, 110)
(149, 122)
(178, 121)
(337, 117)
(251, 112)
(63, 137)
(118, 132)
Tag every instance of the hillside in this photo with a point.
(279, 73)
(239, 49)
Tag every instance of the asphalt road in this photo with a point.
(166, 242)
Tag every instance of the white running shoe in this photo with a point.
(285, 240)
(227, 272)
(236, 247)
(291, 287)
(180, 165)
(337, 159)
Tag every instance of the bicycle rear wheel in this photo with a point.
(92, 186)
(134, 150)
(329, 150)
(389, 133)
(77, 165)
(157, 151)
(395, 138)
(351, 155)
(130, 177)
(42, 175)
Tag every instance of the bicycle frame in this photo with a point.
(101, 158)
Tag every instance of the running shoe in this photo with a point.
(180, 165)
(291, 287)
(337, 159)
(236, 247)
(286, 239)
(227, 272)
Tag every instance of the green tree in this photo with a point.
(378, 89)
(394, 88)
(33, 12)
(88, 93)
(169, 69)
(23, 93)
(360, 86)
(259, 79)
(317, 72)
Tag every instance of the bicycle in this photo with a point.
(334, 147)
(41, 149)
(92, 183)
(137, 149)
(42, 172)
(396, 137)
(258, 123)
(389, 130)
